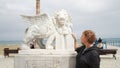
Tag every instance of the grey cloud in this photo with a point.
(104, 21)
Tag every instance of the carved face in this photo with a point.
(61, 19)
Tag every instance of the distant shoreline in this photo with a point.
(10, 45)
(11, 42)
(107, 41)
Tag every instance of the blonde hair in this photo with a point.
(89, 36)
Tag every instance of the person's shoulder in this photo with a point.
(80, 48)
(94, 53)
(94, 50)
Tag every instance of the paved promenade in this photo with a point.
(107, 61)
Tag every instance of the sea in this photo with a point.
(107, 41)
(11, 42)
(111, 41)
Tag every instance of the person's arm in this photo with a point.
(76, 45)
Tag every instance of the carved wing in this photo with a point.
(36, 19)
(40, 25)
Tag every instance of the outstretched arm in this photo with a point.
(76, 45)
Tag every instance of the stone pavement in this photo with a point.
(107, 61)
(6, 62)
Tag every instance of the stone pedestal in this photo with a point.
(40, 58)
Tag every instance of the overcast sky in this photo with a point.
(101, 16)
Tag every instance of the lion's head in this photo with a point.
(62, 18)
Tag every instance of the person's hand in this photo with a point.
(74, 37)
(76, 45)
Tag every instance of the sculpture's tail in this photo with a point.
(40, 41)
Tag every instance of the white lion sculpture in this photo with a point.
(56, 29)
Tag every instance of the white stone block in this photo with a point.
(39, 59)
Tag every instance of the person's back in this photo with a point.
(100, 43)
(88, 58)
(99, 40)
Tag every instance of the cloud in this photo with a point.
(102, 16)
(17, 7)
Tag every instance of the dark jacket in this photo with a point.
(88, 58)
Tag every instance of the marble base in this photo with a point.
(38, 58)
